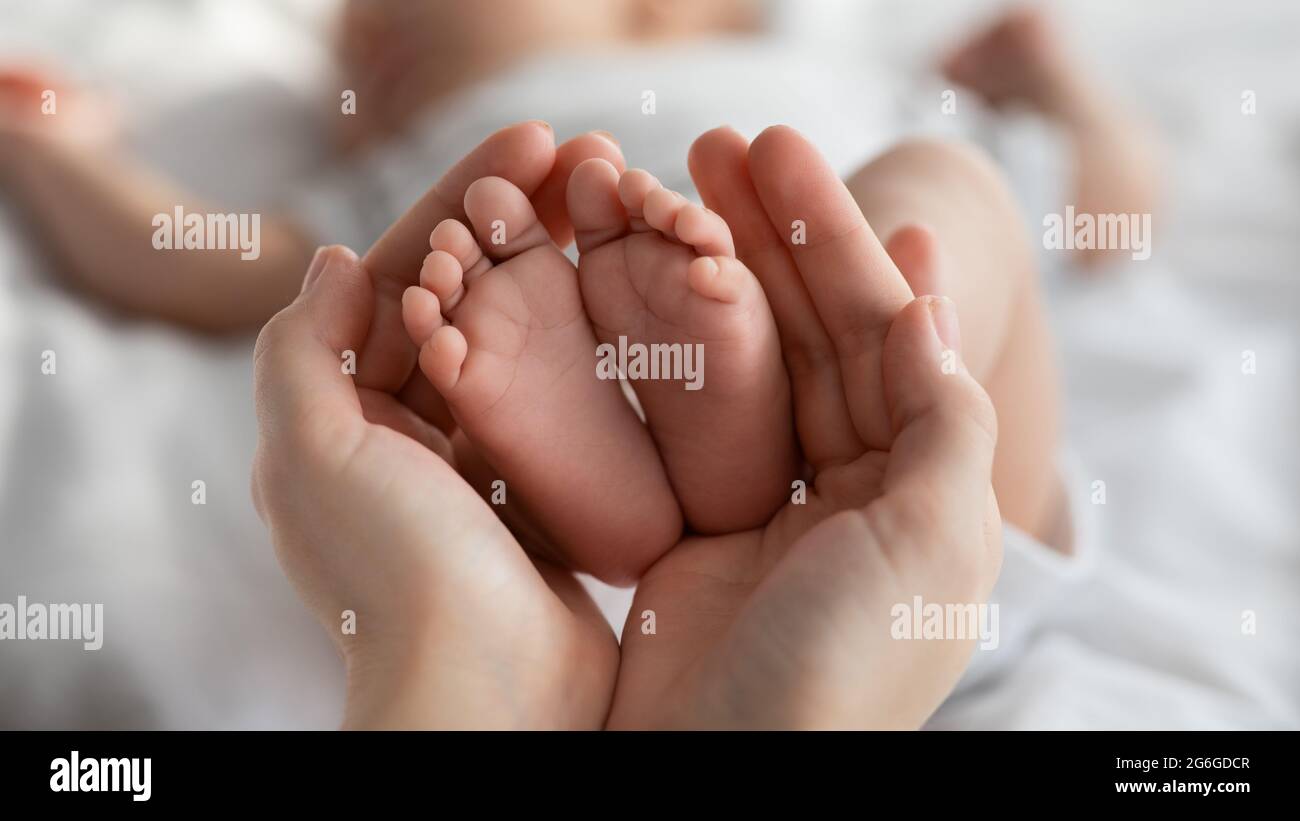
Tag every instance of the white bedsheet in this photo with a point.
(1200, 532)
(1200, 461)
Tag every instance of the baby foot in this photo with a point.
(656, 270)
(505, 340)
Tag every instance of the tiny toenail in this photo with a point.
(606, 136)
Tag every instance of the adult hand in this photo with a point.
(790, 625)
(455, 625)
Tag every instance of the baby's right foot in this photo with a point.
(505, 340)
(658, 271)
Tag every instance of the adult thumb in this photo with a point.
(943, 422)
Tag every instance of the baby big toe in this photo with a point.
(597, 214)
(503, 218)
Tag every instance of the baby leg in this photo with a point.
(953, 228)
(1023, 58)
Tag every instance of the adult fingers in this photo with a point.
(944, 428)
(307, 405)
(719, 164)
(854, 285)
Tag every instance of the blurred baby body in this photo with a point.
(656, 96)
(403, 55)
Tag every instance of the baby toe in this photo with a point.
(705, 231)
(454, 238)
(441, 357)
(597, 214)
(503, 218)
(421, 314)
(442, 274)
(721, 278)
(661, 207)
(633, 187)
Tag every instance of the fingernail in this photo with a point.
(607, 136)
(943, 313)
(313, 270)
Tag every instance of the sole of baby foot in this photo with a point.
(505, 340)
(689, 327)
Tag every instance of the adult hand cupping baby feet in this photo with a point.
(454, 624)
(790, 625)
(785, 624)
(441, 617)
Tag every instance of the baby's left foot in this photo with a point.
(504, 339)
(661, 282)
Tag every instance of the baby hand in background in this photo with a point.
(39, 105)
